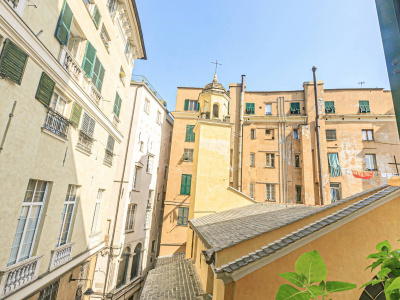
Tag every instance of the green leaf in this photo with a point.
(372, 282)
(316, 290)
(395, 285)
(311, 265)
(322, 285)
(383, 272)
(294, 278)
(377, 255)
(288, 292)
(380, 246)
(391, 263)
(395, 253)
(338, 286)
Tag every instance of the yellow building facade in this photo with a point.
(64, 78)
(273, 147)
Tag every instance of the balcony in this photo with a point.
(18, 275)
(70, 64)
(57, 124)
(85, 142)
(60, 256)
(108, 157)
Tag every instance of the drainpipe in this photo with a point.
(321, 187)
(241, 135)
(110, 255)
(279, 148)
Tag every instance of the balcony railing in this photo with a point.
(56, 123)
(18, 275)
(95, 94)
(108, 157)
(60, 255)
(85, 142)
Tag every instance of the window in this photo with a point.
(67, 214)
(364, 106)
(112, 6)
(141, 146)
(109, 152)
(297, 161)
(74, 45)
(150, 197)
(295, 134)
(130, 217)
(270, 160)
(183, 214)
(147, 220)
(45, 89)
(147, 106)
(295, 108)
(95, 223)
(64, 24)
(96, 17)
(166, 172)
(191, 105)
(334, 166)
(250, 108)
(123, 267)
(329, 107)
(88, 125)
(149, 166)
(158, 197)
(89, 59)
(370, 162)
(28, 221)
(252, 134)
(336, 192)
(367, 135)
(215, 110)
(186, 182)
(82, 284)
(55, 121)
(270, 192)
(268, 109)
(98, 74)
(188, 154)
(252, 159)
(269, 134)
(13, 62)
(251, 190)
(58, 104)
(136, 261)
(49, 292)
(18, 6)
(105, 37)
(158, 120)
(153, 246)
(331, 134)
(298, 194)
(136, 178)
(190, 136)
(117, 105)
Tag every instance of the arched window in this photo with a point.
(215, 110)
(123, 267)
(136, 261)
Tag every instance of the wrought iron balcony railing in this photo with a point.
(108, 157)
(85, 142)
(56, 123)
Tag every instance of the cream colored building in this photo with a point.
(274, 153)
(64, 80)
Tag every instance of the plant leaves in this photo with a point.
(380, 246)
(288, 292)
(339, 286)
(383, 272)
(395, 285)
(294, 278)
(377, 255)
(311, 265)
(391, 263)
(316, 290)
(322, 285)
(372, 282)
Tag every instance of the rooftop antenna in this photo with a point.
(361, 83)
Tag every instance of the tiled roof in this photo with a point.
(172, 278)
(305, 231)
(228, 228)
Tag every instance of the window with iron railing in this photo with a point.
(330, 107)
(105, 37)
(86, 133)
(250, 108)
(109, 153)
(295, 108)
(56, 123)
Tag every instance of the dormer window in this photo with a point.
(215, 110)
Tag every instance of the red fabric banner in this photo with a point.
(363, 175)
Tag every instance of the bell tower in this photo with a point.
(214, 101)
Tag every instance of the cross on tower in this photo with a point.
(396, 164)
(216, 65)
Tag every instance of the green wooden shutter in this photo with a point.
(183, 184)
(98, 74)
(186, 104)
(45, 89)
(250, 108)
(188, 184)
(117, 104)
(88, 59)
(186, 181)
(13, 62)
(198, 106)
(64, 24)
(96, 16)
(190, 135)
(295, 107)
(75, 114)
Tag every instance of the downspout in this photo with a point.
(119, 194)
(321, 187)
(286, 154)
(241, 135)
(279, 148)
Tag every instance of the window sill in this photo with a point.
(185, 194)
(107, 164)
(52, 134)
(181, 225)
(269, 167)
(135, 190)
(82, 150)
(129, 231)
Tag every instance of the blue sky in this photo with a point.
(274, 43)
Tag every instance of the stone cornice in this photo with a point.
(359, 118)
